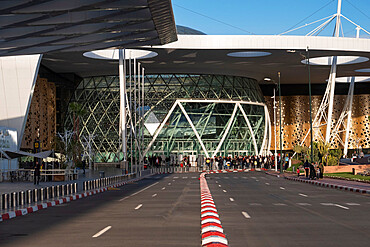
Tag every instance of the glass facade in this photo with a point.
(181, 114)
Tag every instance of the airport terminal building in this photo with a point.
(187, 93)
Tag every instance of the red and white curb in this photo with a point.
(335, 186)
(28, 210)
(212, 231)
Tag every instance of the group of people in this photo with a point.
(221, 162)
(312, 171)
(241, 162)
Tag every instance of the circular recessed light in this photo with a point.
(341, 60)
(348, 79)
(249, 54)
(112, 54)
(363, 70)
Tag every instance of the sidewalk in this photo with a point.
(352, 186)
(9, 187)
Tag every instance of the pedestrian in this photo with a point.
(298, 171)
(306, 167)
(36, 173)
(312, 172)
(318, 173)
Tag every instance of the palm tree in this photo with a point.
(78, 112)
(324, 149)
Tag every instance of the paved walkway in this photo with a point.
(8, 187)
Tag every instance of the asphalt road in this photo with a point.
(286, 213)
(164, 210)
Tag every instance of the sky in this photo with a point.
(270, 17)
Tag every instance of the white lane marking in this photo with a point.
(216, 182)
(244, 177)
(257, 180)
(102, 232)
(184, 177)
(282, 188)
(232, 199)
(352, 204)
(173, 180)
(139, 191)
(303, 204)
(224, 191)
(333, 204)
(226, 177)
(163, 188)
(267, 183)
(175, 177)
(169, 183)
(279, 204)
(154, 195)
(340, 206)
(138, 206)
(219, 185)
(246, 215)
(303, 195)
(193, 177)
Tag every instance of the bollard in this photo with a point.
(47, 193)
(63, 188)
(5, 201)
(21, 198)
(57, 191)
(41, 194)
(35, 196)
(68, 189)
(29, 197)
(52, 191)
(75, 188)
(13, 199)
(84, 186)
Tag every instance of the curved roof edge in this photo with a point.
(164, 20)
(261, 42)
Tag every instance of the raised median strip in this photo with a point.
(211, 229)
(327, 185)
(42, 205)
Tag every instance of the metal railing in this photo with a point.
(22, 198)
(104, 182)
(27, 175)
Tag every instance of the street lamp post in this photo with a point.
(281, 137)
(275, 154)
(274, 107)
(310, 102)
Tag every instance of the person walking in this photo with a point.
(306, 167)
(36, 173)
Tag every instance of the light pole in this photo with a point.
(310, 102)
(281, 137)
(274, 107)
(307, 59)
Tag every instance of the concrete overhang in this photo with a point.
(211, 54)
(39, 27)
